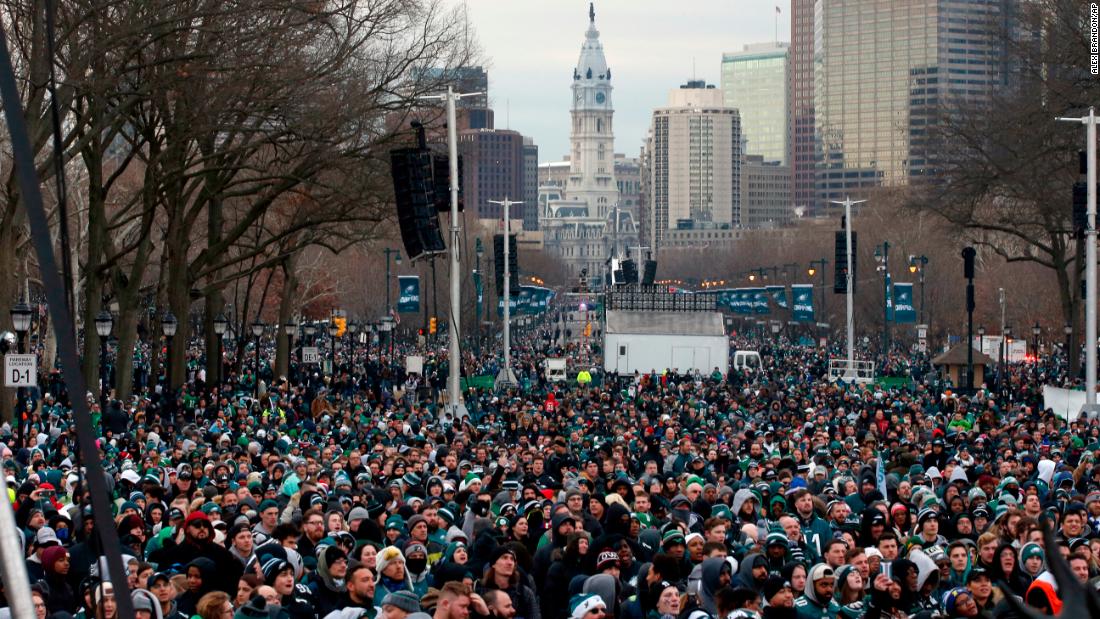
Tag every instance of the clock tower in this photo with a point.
(592, 156)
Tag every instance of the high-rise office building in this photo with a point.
(800, 111)
(694, 162)
(755, 82)
(883, 72)
(530, 184)
(493, 168)
(765, 193)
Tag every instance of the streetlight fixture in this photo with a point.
(353, 329)
(1035, 332)
(21, 322)
(882, 256)
(333, 331)
(21, 318)
(397, 260)
(815, 267)
(981, 338)
(221, 325)
(257, 332)
(104, 322)
(168, 326)
(479, 251)
(290, 328)
(917, 265)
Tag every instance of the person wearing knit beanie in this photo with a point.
(959, 602)
(587, 606)
(406, 602)
(391, 575)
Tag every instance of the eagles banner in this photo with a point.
(803, 295)
(778, 295)
(760, 301)
(513, 306)
(408, 298)
(903, 303)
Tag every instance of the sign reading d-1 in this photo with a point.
(310, 354)
(20, 371)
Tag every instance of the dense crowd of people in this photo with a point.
(766, 492)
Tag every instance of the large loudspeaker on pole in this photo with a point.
(513, 264)
(414, 193)
(840, 263)
(649, 272)
(630, 271)
(441, 183)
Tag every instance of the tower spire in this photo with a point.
(592, 12)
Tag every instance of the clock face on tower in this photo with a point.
(599, 97)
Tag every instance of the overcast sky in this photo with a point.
(531, 47)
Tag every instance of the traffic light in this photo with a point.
(840, 263)
(441, 180)
(1080, 209)
(432, 325)
(413, 191)
(341, 325)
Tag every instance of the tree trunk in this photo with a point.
(215, 367)
(125, 331)
(9, 295)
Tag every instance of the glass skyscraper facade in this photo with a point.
(754, 81)
(883, 71)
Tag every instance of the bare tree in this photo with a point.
(1007, 167)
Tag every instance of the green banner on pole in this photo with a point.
(803, 309)
(778, 295)
(408, 299)
(904, 312)
(760, 301)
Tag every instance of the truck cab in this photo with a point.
(747, 359)
(555, 370)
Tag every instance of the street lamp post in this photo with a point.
(882, 256)
(257, 332)
(21, 321)
(333, 331)
(290, 329)
(397, 260)
(104, 322)
(981, 338)
(221, 325)
(816, 266)
(1068, 331)
(168, 325)
(479, 251)
(916, 265)
(1035, 331)
(353, 331)
(309, 329)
